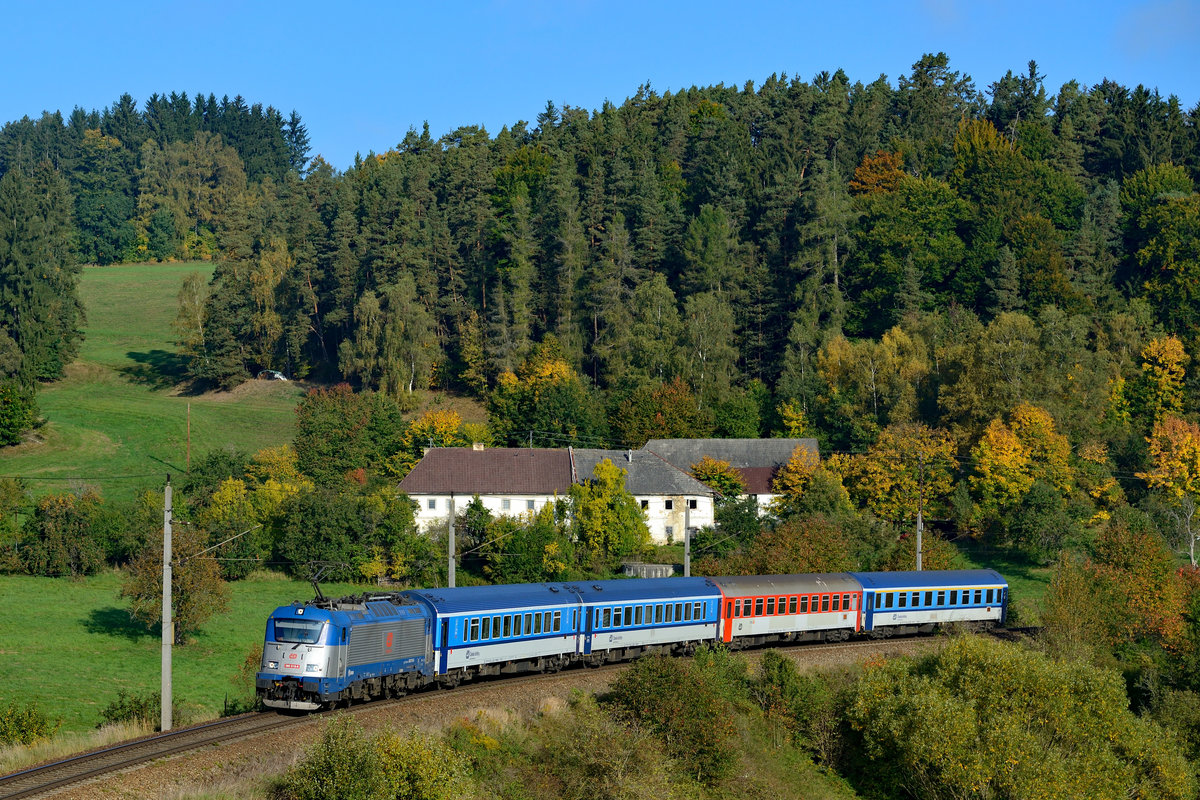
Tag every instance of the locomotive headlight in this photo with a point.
(272, 665)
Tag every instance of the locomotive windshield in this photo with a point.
(300, 631)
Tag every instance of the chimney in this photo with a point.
(629, 456)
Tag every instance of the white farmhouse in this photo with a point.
(519, 481)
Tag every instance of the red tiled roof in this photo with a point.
(758, 479)
(500, 470)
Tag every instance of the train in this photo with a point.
(324, 652)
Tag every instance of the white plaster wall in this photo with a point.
(658, 518)
(518, 506)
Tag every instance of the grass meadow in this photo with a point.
(71, 645)
(118, 421)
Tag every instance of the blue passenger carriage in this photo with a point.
(490, 630)
(627, 618)
(908, 602)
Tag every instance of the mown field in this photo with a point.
(118, 421)
(71, 645)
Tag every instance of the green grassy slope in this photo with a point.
(86, 648)
(119, 411)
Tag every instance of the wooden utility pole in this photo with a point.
(687, 540)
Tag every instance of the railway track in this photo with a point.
(48, 777)
(45, 778)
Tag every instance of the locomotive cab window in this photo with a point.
(298, 631)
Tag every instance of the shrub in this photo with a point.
(685, 708)
(344, 765)
(24, 724)
(416, 767)
(136, 708)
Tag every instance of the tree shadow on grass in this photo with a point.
(158, 369)
(113, 621)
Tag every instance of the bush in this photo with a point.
(343, 765)
(592, 755)
(24, 724)
(346, 764)
(143, 709)
(684, 706)
(18, 412)
(417, 767)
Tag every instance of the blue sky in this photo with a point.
(362, 73)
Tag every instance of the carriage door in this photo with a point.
(443, 648)
(727, 622)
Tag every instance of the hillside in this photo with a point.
(118, 420)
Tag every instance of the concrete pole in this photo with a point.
(168, 625)
(920, 506)
(451, 547)
(687, 540)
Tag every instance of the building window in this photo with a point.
(670, 504)
(645, 504)
(692, 505)
(506, 504)
(670, 531)
(529, 505)
(432, 503)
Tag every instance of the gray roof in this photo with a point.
(740, 453)
(647, 473)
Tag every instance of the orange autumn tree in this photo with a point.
(910, 465)
(719, 476)
(1175, 456)
(1010, 457)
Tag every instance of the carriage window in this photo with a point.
(887, 600)
(697, 613)
(837, 602)
(637, 616)
(466, 630)
(537, 623)
(649, 614)
(824, 602)
(475, 630)
(487, 627)
(758, 606)
(771, 606)
(845, 602)
(804, 604)
(546, 621)
(557, 621)
(989, 596)
(903, 599)
(658, 613)
(978, 596)
(687, 612)
(528, 624)
(608, 617)
(729, 608)
(508, 626)
(941, 598)
(954, 597)
(670, 613)
(517, 625)
(678, 612)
